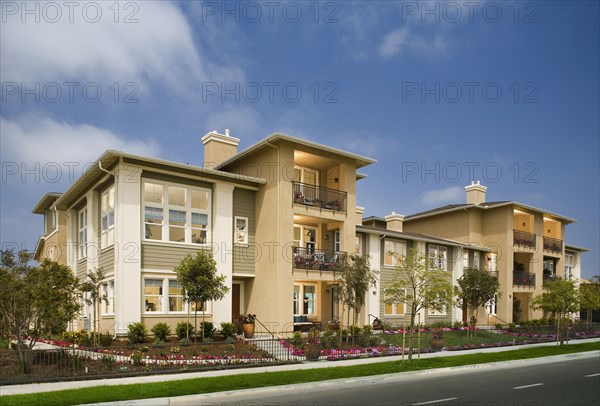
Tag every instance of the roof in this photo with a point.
(360, 159)
(569, 247)
(110, 157)
(45, 202)
(487, 205)
(418, 237)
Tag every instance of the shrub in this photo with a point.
(184, 341)
(181, 328)
(228, 329)
(354, 330)
(137, 333)
(161, 331)
(367, 329)
(329, 339)
(296, 339)
(108, 361)
(106, 340)
(157, 343)
(207, 327)
(81, 337)
(204, 348)
(136, 358)
(498, 326)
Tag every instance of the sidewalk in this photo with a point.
(55, 386)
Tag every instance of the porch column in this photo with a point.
(373, 300)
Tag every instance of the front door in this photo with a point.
(235, 302)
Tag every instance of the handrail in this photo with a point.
(265, 327)
(317, 196)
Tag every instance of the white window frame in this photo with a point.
(301, 300)
(106, 211)
(240, 232)
(302, 242)
(394, 307)
(466, 262)
(436, 258)
(187, 208)
(395, 246)
(108, 297)
(160, 295)
(302, 170)
(476, 259)
(492, 262)
(164, 299)
(442, 312)
(358, 244)
(569, 266)
(82, 233)
(169, 296)
(336, 241)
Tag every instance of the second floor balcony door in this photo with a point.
(305, 237)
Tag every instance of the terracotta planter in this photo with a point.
(312, 352)
(248, 330)
(333, 325)
(436, 345)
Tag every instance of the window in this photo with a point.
(569, 264)
(176, 213)
(82, 235)
(108, 297)
(305, 299)
(358, 245)
(438, 256)
(241, 230)
(336, 241)
(492, 262)
(492, 305)
(175, 296)
(476, 259)
(305, 237)
(393, 251)
(107, 213)
(465, 259)
(153, 295)
(394, 309)
(306, 175)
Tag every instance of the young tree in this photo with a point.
(560, 298)
(418, 284)
(198, 277)
(93, 296)
(354, 278)
(35, 301)
(476, 287)
(589, 297)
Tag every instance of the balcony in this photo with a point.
(320, 197)
(318, 260)
(523, 239)
(523, 279)
(552, 244)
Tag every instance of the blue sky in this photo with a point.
(440, 93)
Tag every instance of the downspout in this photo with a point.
(278, 197)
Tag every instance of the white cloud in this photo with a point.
(452, 194)
(31, 139)
(159, 46)
(394, 42)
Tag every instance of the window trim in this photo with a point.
(246, 231)
(165, 299)
(435, 259)
(301, 299)
(394, 258)
(394, 307)
(108, 292)
(107, 235)
(82, 228)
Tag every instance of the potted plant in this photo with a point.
(312, 348)
(248, 321)
(436, 340)
(333, 325)
(377, 324)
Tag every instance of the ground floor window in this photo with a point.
(157, 301)
(305, 299)
(108, 297)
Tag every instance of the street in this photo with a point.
(572, 380)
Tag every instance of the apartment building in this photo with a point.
(526, 247)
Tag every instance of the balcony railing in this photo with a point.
(550, 278)
(312, 259)
(552, 244)
(324, 198)
(524, 279)
(523, 238)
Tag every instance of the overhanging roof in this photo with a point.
(111, 157)
(484, 206)
(360, 159)
(45, 202)
(570, 247)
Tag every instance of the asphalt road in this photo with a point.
(570, 380)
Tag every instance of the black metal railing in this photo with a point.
(552, 244)
(523, 279)
(324, 198)
(523, 238)
(308, 258)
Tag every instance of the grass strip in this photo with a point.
(264, 379)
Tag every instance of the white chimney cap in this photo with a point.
(227, 132)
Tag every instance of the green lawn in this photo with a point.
(233, 382)
(460, 337)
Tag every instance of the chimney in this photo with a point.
(218, 148)
(359, 215)
(475, 193)
(394, 221)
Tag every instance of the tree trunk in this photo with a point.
(196, 321)
(411, 331)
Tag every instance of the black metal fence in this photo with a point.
(523, 239)
(324, 198)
